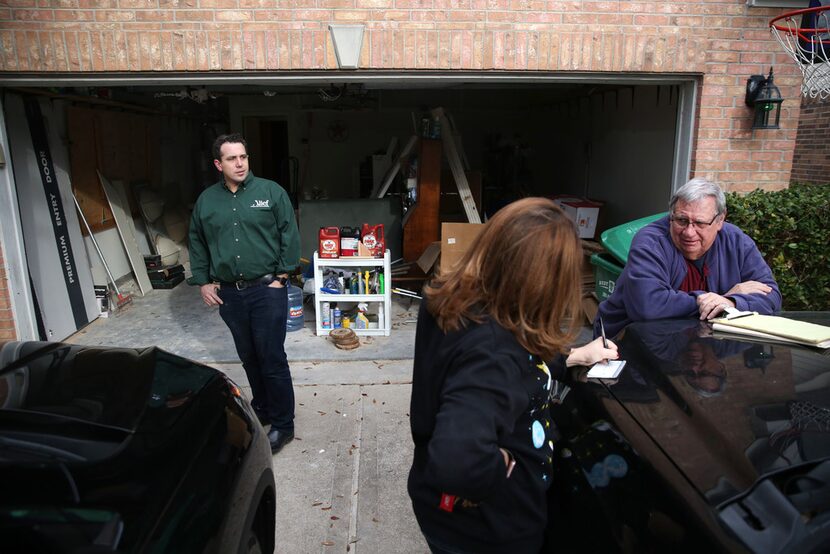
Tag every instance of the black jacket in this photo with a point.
(475, 391)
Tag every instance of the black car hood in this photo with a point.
(727, 413)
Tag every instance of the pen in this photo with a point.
(602, 329)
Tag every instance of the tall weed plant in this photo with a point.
(792, 230)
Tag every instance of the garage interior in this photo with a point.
(334, 144)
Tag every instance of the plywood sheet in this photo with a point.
(422, 226)
(126, 229)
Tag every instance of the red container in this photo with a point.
(329, 242)
(372, 238)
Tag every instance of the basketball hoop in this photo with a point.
(808, 43)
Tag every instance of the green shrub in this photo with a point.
(791, 228)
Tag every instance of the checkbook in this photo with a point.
(609, 370)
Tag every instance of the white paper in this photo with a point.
(608, 370)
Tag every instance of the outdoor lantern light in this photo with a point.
(765, 98)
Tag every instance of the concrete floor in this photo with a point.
(176, 320)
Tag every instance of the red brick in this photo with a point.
(10, 60)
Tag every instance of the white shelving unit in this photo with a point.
(373, 300)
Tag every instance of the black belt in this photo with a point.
(266, 280)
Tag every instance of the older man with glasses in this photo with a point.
(690, 263)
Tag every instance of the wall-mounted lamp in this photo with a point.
(347, 41)
(764, 97)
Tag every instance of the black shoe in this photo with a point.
(278, 439)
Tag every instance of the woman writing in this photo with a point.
(479, 411)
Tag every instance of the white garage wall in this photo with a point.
(619, 148)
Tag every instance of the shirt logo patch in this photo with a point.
(260, 204)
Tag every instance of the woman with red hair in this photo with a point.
(481, 385)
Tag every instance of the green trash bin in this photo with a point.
(606, 272)
(617, 240)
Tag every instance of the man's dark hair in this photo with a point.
(222, 139)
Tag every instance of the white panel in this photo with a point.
(44, 260)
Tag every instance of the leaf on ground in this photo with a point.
(334, 518)
(327, 543)
(326, 508)
(316, 503)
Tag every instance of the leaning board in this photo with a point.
(126, 229)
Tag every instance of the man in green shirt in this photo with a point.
(243, 243)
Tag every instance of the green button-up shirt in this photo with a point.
(242, 235)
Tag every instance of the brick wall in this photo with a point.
(811, 160)
(7, 326)
(722, 42)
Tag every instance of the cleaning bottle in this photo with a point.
(361, 321)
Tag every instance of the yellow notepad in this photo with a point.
(801, 332)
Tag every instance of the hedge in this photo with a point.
(792, 230)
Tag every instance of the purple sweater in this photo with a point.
(647, 288)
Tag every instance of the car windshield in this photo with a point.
(108, 387)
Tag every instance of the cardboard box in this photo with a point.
(456, 239)
(427, 260)
(581, 211)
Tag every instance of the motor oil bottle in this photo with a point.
(349, 237)
(329, 242)
(373, 239)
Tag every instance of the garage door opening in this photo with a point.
(623, 142)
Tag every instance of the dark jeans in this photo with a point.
(257, 317)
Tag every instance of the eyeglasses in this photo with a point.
(683, 222)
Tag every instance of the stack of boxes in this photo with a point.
(163, 276)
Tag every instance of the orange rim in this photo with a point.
(803, 33)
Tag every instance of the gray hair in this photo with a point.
(697, 189)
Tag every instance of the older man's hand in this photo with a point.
(710, 304)
(750, 287)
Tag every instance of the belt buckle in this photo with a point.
(239, 285)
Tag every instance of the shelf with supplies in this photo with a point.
(379, 304)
